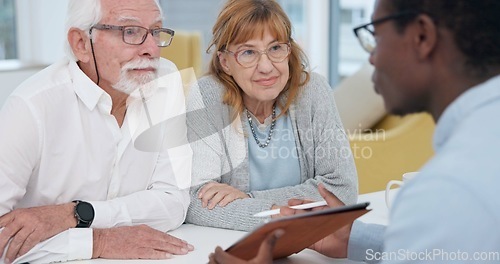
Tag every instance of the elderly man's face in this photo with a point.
(397, 72)
(121, 65)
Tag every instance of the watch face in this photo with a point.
(85, 211)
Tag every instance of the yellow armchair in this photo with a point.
(185, 51)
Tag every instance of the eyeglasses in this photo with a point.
(136, 35)
(250, 57)
(366, 33)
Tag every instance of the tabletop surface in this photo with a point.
(205, 239)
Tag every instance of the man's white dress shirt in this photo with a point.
(59, 142)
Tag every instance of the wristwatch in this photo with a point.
(84, 213)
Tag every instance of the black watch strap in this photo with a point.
(84, 214)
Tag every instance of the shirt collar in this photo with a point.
(88, 92)
(465, 104)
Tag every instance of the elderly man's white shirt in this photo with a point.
(59, 142)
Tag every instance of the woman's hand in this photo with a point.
(214, 193)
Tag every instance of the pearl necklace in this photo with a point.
(273, 123)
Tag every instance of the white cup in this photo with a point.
(406, 177)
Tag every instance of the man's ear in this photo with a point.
(223, 62)
(77, 39)
(426, 36)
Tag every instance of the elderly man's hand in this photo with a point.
(27, 227)
(264, 256)
(137, 242)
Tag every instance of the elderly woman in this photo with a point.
(268, 130)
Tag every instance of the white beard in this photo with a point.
(128, 84)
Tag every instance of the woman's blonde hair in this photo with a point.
(242, 20)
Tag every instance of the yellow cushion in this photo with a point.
(185, 51)
(392, 147)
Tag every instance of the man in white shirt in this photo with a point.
(441, 57)
(74, 183)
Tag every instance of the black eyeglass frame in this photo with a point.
(381, 20)
(149, 31)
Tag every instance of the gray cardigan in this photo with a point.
(220, 154)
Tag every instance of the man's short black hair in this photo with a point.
(475, 25)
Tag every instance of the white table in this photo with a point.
(205, 239)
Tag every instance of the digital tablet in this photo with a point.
(301, 231)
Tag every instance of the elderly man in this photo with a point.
(72, 183)
(442, 57)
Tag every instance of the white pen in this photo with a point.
(300, 206)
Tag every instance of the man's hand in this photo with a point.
(214, 193)
(137, 242)
(29, 226)
(287, 211)
(334, 245)
(264, 256)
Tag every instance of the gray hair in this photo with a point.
(84, 14)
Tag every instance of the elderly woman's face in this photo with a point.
(263, 81)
